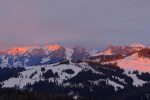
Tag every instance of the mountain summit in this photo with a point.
(36, 55)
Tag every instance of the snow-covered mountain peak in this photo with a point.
(29, 49)
(53, 47)
(17, 50)
(93, 52)
(123, 50)
(21, 50)
(108, 52)
(80, 53)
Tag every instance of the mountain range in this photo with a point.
(37, 55)
(78, 72)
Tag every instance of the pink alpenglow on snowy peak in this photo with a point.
(21, 50)
(17, 50)
(53, 47)
(28, 49)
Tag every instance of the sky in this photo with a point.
(89, 23)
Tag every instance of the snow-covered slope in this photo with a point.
(136, 81)
(73, 74)
(68, 53)
(134, 57)
(34, 74)
(134, 62)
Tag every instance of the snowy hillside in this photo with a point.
(34, 74)
(134, 62)
(133, 57)
(74, 73)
